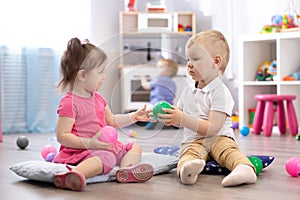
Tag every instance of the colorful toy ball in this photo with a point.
(47, 150)
(235, 125)
(22, 142)
(298, 136)
(257, 163)
(50, 157)
(245, 131)
(109, 135)
(132, 133)
(292, 166)
(157, 109)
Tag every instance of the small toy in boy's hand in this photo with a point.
(157, 109)
(109, 135)
(292, 166)
(22, 142)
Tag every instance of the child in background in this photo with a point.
(163, 87)
(204, 110)
(82, 113)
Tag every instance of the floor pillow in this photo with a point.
(40, 170)
(212, 167)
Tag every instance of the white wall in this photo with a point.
(232, 17)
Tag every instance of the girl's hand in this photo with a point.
(172, 118)
(142, 114)
(96, 144)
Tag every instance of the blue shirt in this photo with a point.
(163, 88)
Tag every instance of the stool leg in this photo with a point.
(258, 117)
(268, 119)
(292, 118)
(281, 121)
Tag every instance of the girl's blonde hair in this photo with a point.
(78, 55)
(168, 65)
(214, 43)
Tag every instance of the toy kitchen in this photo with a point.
(144, 39)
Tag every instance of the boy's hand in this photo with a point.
(173, 116)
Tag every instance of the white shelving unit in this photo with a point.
(254, 51)
(162, 36)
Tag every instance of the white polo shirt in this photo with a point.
(199, 102)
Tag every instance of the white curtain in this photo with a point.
(32, 37)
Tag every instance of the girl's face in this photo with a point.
(94, 78)
(200, 64)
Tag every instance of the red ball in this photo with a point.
(292, 166)
(48, 149)
(109, 135)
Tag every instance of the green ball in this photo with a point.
(298, 136)
(257, 163)
(157, 109)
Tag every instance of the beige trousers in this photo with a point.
(222, 149)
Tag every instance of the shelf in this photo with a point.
(259, 83)
(254, 51)
(157, 23)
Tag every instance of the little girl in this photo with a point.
(82, 113)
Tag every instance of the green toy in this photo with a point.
(157, 109)
(257, 163)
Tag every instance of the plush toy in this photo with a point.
(292, 77)
(267, 71)
(279, 22)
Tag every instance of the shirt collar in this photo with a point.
(210, 86)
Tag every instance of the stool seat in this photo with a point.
(274, 97)
(263, 118)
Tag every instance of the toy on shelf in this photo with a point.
(281, 23)
(292, 166)
(267, 71)
(131, 5)
(292, 77)
(181, 28)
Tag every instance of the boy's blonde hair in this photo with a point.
(214, 43)
(169, 66)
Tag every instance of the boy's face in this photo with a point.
(200, 64)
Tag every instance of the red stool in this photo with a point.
(264, 115)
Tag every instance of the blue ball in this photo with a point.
(245, 130)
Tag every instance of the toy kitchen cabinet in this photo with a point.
(144, 39)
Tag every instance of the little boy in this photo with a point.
(204, 110)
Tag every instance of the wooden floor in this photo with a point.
(273, 183)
